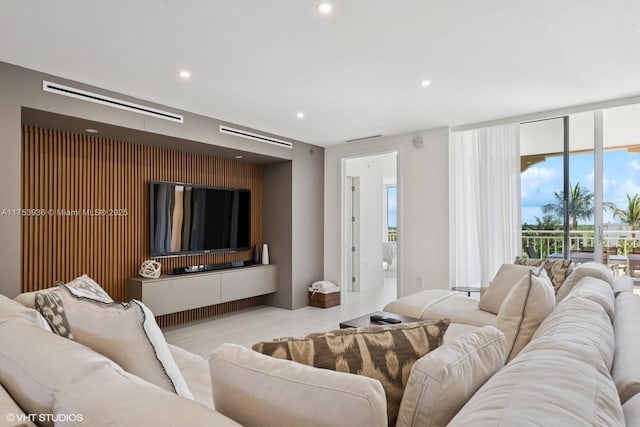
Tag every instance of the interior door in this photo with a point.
(353, 232)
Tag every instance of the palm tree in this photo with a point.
(548, 222)
(580, 205)
(631, 215)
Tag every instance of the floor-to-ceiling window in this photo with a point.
(586, 191)
(542, 187)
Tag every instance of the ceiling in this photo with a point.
(354, 73)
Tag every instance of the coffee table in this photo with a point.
(365, 321)
(467, 289)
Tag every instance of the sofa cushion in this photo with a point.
(626, 362)
(35, 364)
(631, 410)
(506, 277)
(385, 353)
(581, 322)
(262, 391)
(416, 304)
(195, 370)
(557, 269)
(442, 381)
(126, 333)
(124, 399)
(554, 383)
(526, 306)
(456, 330)
(460, 308)
(11, 310)
(436, 304)
(598, 291)
(588, 269)
(622, 284)
(11, 415)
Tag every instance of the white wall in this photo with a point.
(423, 207)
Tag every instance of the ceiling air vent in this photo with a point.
(112, 102)
(256, 137)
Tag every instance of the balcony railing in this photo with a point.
(550, 242)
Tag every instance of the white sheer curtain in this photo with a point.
(485, 201)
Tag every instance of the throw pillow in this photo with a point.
(507, 276)
(442, 381)
(48, 302)
(385, 353)
(126, 333)
(81, 286)
(557, 269)
(526, 306)
(85, 286)
(588, 269)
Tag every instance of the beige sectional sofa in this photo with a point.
(579, 367)
(47, 379)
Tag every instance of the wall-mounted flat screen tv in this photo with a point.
(190, 219)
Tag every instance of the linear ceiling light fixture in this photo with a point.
(255, 136)
(96, 98)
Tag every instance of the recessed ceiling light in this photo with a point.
(238, 157)
(91, 130)
(300, 115)
(184, 74)
(325, 8)
(425, 83)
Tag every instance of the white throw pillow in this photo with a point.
(126, 333)
(526, 306)
(508, 275)
(262, 391)
(592, 269)
(83, 286)
(441, 382)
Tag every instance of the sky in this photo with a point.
(538, 183)
(392, 202)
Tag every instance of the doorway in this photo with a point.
(370, 229)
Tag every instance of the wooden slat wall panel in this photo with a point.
(62, 170)
(209, 311)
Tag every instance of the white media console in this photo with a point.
(175, 293)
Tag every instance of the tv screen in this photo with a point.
(191, 219)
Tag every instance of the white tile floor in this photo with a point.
(249, 326)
